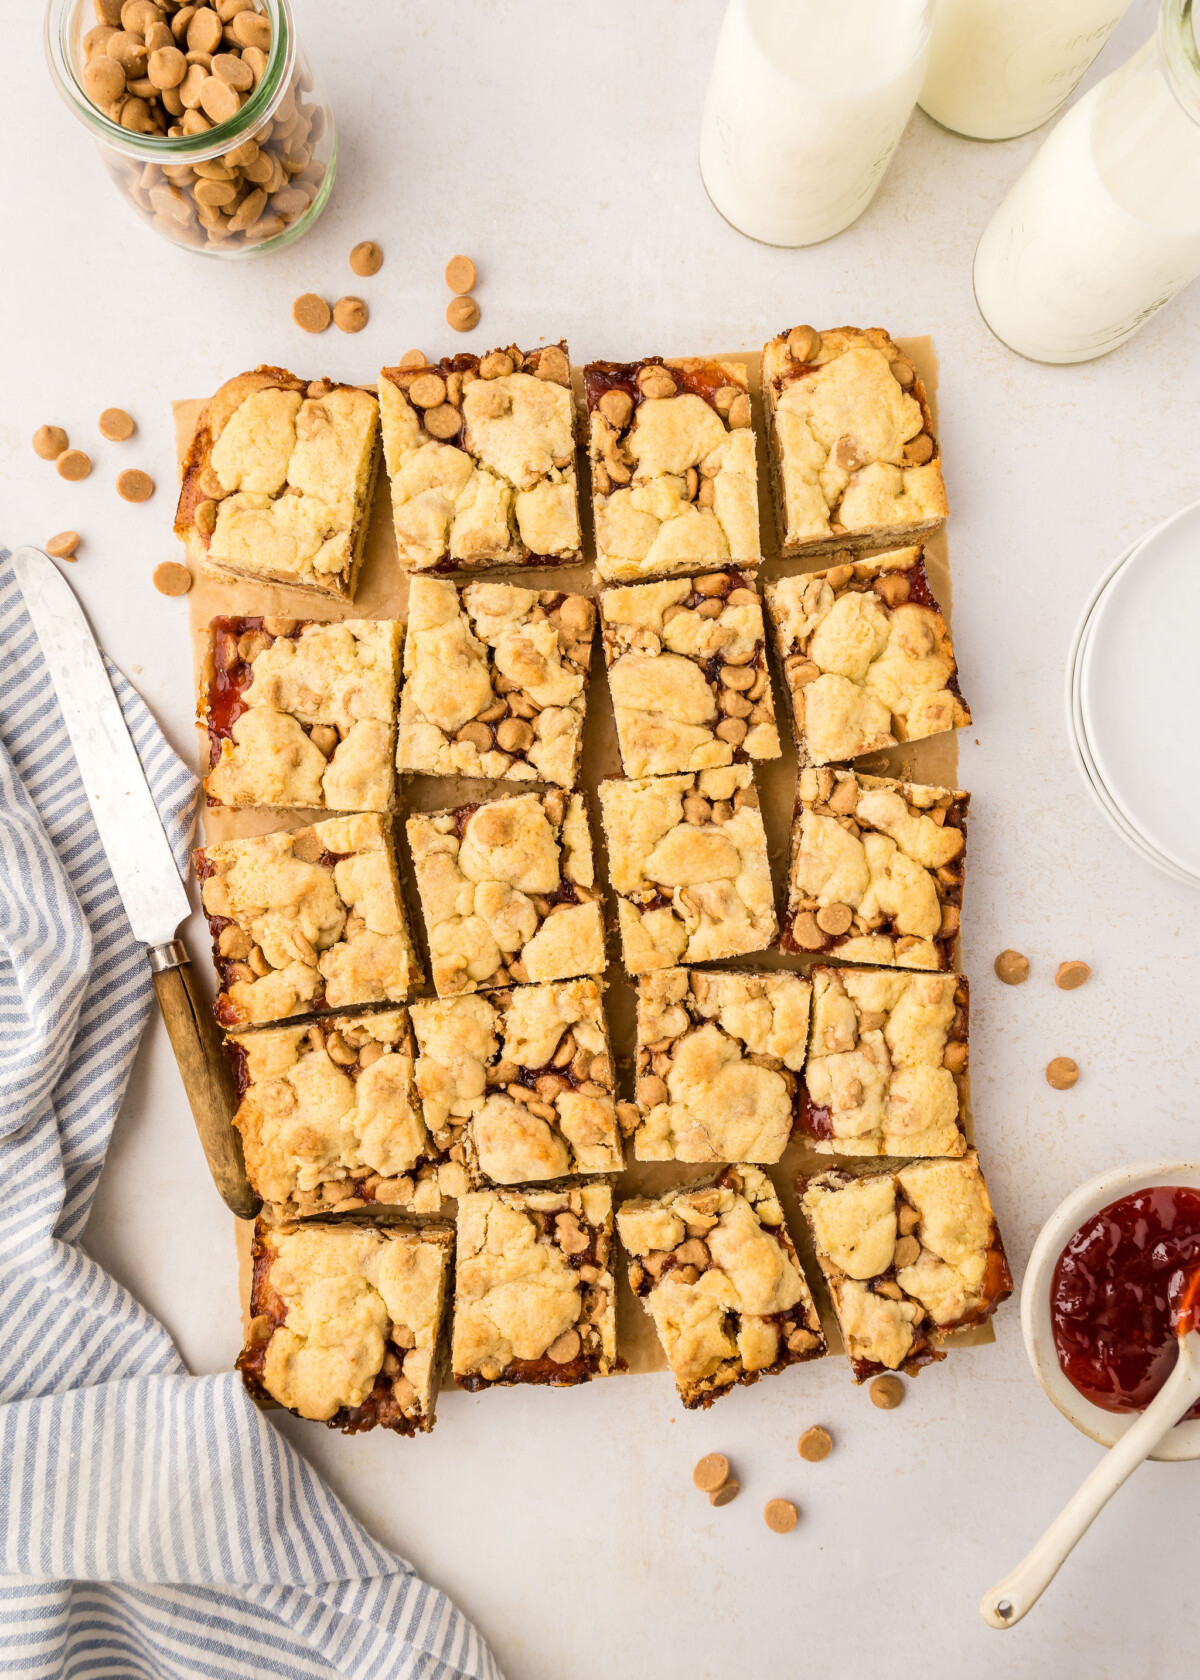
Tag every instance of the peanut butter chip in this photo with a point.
(206, 518)
(835, 918)
(462, 313)
(803, 344)
(413, 358)
(116, 425)
(350, 314)
(711, 1473)
(1012, 967)
(428, 390)
(1071, 975)
(1062, 1073)
(565, 1348)
(886, 1393)
(73, 464)
(49, 442)
(781, 1515)
(63, 546)
(725, 1495)
(311, 312)
(172, 579)
(815, 1444)
(366, 258)
(443, 421)
(460, 274)
(134, 486)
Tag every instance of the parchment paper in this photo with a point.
(383, 593)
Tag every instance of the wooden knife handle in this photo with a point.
(196, 1041)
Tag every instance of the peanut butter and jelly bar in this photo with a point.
(518, 1085)
(307, 922)
(481, 455)
(867, 657)
(688, 671)
(302, 714)
(853, 455)
(887, 1063)
(278, 479)
(687, 856)
(715, 1268)
(534, 1296)
(719, 1058)
(494, 682)
(330, 1119)
(877, 869)
(907, 1255)
(508, 892)
(674, 472)
(348, 1323)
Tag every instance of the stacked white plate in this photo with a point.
(1133, 696)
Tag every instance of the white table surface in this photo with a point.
(556, 144)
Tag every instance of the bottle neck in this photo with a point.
(1179, 54)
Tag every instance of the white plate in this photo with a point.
(1139, 696)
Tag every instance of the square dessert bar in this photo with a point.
(330, 1119)
(715, 1268)
(867, 657)
(718, 1062)
(674, 473)
(481, 455)
(534, 1296)
(307, 922)
(688, 857)
(494, 682)
(907, 1255)
(277, 482)
(518, 1085)
(687, 666)
(300, 713)
(887, 1063)
(877, 869)
(853, 455)
(508, 892)
(348, 1323)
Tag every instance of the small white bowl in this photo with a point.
(1105, 1427)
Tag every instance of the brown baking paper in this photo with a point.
(383, 593)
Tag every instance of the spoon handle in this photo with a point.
(1008, 1601)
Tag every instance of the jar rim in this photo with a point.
(61, 19)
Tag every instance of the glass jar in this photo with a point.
(278, 152)
(999, 68)
(805, 106)
(1103, 228)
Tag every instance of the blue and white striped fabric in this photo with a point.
(154, 1526)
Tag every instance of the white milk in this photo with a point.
(806, 103)
(1103, 228)
(1001, 67)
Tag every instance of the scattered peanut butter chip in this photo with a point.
(711, 1473)
(781, 1515)
(460, 274)
(206, 518)
(815, 1444)
(133, 485)
(462, 313)
(414, 358)
(1012, 967)
(63, 546)
(1062, 1073)
(366, 258)
(311, 312)
(73, 464)
(442, 422)
(725, 1495)
(350, 314)
(886, 1393)
(172, 579)
(1071, 975)
(116, 425)
(565, 1348)
(49, 442)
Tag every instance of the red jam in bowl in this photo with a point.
(1118, 1290)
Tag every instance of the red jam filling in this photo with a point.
(1118, 1293)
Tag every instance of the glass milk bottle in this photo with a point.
(806, 103)
(998, 68)
(1103, 228)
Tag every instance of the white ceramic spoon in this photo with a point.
(1007, 1602)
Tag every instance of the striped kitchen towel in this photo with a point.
(153, 1524)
